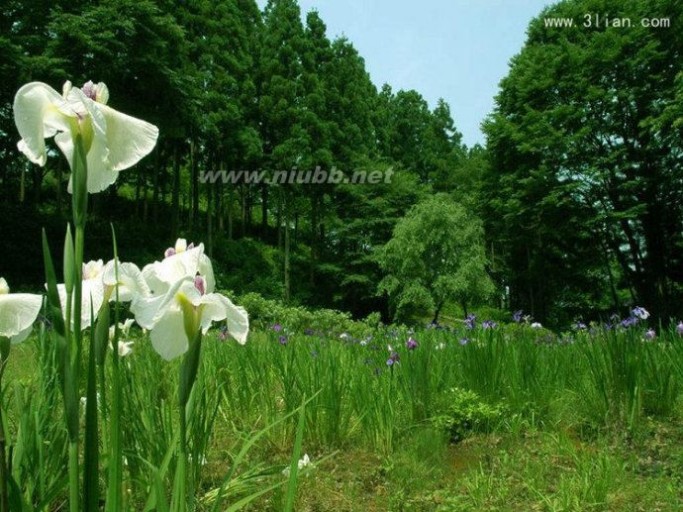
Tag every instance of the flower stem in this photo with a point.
(74, 496)
(4, 471)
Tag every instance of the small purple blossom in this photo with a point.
(471, 321)
(629, 322)
(641, 313)
(650, 334)
(517, 316)
(411, 344)
(223, 333)
(277, 327)
(464, 341)
(282, 340)
(394, 358)
(679, 328)
(580, 326)
(489, 324)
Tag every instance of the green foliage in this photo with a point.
(465, 413)
(581, 194)
(436, 255)
(265, 313)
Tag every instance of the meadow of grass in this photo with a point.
(505, 418)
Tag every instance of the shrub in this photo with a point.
(465, 412)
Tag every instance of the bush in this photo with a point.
(465, 412)
(264, 313)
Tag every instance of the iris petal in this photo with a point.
(39, 112)
(217, 307)
(168, 336)
(18, 311)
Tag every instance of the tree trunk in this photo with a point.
(287, 248)
(209, 221)
(194, 186)
(175, 194)
(155, 188)
(231, 200)
(435, 321)
(314, 240)
(264, 211)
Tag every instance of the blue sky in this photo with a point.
(458, 50)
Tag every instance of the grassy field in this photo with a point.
(504, 418)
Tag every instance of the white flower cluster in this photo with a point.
(161, 296)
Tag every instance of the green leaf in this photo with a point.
(53, 307)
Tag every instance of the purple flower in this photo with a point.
(282, 340)
(223, 333)
(517, 315)
(650, 334)
(629, 322)
(679, 328)
(489, 324)
(277, 327)
(641, 313)
(394, 358)
(471, 321)
(411, 344)
(464, 341)
(580, 326)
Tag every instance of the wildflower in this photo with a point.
(113, 141)
(411, 344)
(464, 341)
(223, 333)
(489, 324)
(277, 327)
(175, 316)
(180, 247)
(629, 322)
(517, 316)
(129, 280)
(394, 358)
(125, 346)
(536, 325)
(640, 313)
(301, 464)
(92, 294)
(160, 276)
(580, 326)
(282, 340)
(471, 321)
(18, 312)
(679, 328)
(650, 334)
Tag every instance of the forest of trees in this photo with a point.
(579, 188)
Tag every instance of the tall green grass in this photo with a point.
(247, 422)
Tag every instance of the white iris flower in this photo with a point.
(18, 312)
(112, 141)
